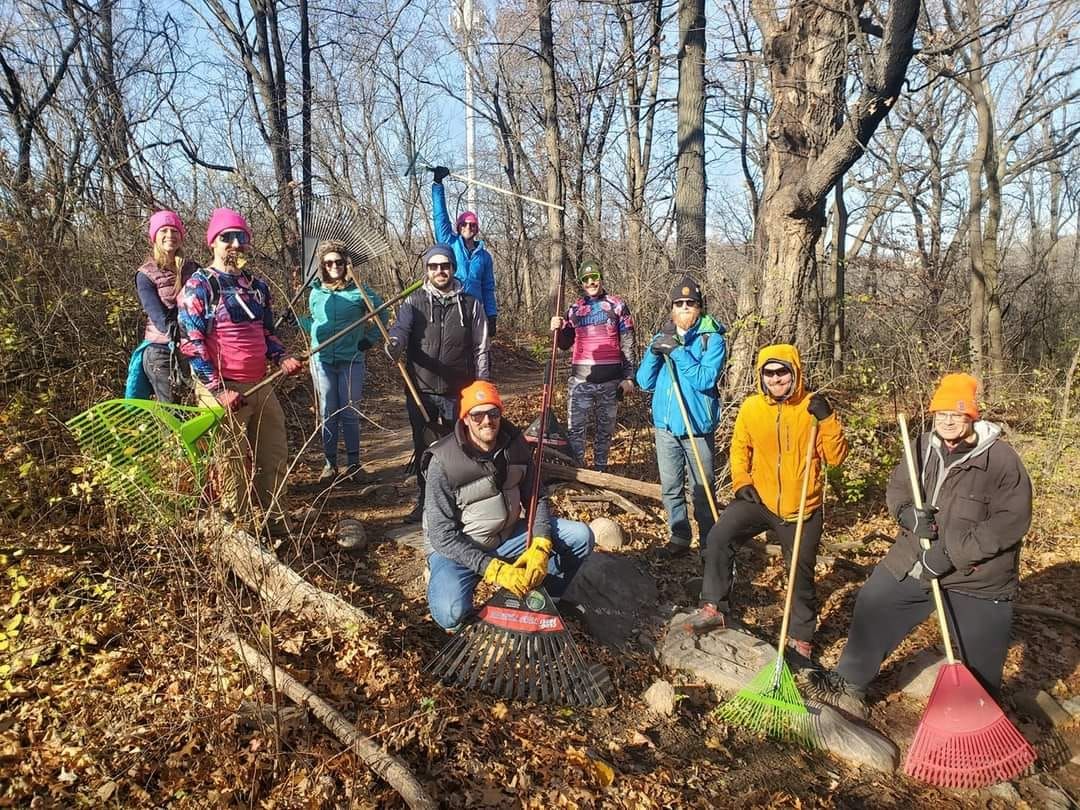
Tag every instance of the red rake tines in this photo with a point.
(518, 649)
(964, 739)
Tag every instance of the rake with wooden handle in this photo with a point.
(964, 739)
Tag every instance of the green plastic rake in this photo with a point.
(151, 456)
(771, 704)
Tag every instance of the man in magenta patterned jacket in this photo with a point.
(601, 331)
(228, 334)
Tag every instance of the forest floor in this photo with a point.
(117, 690)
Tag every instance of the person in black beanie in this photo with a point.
(442, 332)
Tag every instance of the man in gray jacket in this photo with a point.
(478, 483)
(977, 509)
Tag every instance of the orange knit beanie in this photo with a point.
(957, 392)
(480, 392)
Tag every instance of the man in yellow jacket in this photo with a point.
(768, 460)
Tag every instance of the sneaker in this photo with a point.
(328, 474)
(831, 688)
(673, 551)
(416, 515)
(803, 648)
(706, 618)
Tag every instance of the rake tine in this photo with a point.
(523, 669)
(543, 673)
(499, 651)
(504, 671)
(468, 672)
(536, 673)
(566, 683)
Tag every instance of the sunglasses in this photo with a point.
(775, 372)
(468, 224)
(683, 303)
(228, 237)
(478, 417)
(335, 263)
(439, 266)
(588, 278)
(948, 418)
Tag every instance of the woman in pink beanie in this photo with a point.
(157, 364)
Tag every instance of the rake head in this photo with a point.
(773, 707)
(334, 218)
(964, 740)
(148, 455)
(518, 649)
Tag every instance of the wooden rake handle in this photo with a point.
(916, 496)
(709, 495)
(800, 520)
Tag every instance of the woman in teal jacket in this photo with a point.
(339, 370)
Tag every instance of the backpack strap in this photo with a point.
(212, 302)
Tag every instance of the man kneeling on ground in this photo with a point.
(478, 483)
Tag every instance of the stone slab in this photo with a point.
(411, 535)
(613, 594)
(917, 676)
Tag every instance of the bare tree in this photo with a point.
(690, 179)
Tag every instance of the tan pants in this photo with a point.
(256, 432)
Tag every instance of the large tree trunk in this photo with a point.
(690, 179)
(551, 138)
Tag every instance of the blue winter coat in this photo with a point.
(332, 311)
(698, 363)
(475, 270)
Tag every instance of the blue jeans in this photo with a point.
(451, 587)
(674, 456)
(341, 387)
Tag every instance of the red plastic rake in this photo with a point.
(964, 740)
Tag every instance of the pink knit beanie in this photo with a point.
(162, 218)
(225, 219)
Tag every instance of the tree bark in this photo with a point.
(556, 217)
(690, 177)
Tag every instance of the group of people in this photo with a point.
(476, 474)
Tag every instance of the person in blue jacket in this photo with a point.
(475, 270)
(335, 302)
(695, 343)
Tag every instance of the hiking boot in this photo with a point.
(355, 474)
(673, 551)
(801, 648)
(416, 515)
(328, 474)
(831, 688)
(706, 618)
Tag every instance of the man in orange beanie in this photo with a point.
(976, 509)
(479, 479)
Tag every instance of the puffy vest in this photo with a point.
(165, 282)
(442, 349)
(488, 492)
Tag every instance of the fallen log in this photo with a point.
(391, 768)
(1049, 613)
(607, 496)
(279, 586)
(602, 480)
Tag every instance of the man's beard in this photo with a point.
(443, 285)
(685, 318)
(231, 258)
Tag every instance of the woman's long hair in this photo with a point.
(179, 260)
(333, 246)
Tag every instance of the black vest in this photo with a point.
(442, 348)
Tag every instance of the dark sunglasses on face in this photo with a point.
(478, 417)
(334, 263)
(684, 304)
(228, 237)
(775, 372)
(439, 266)
(468, 224)
(591, 277)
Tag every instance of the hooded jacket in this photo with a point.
(768, 448)
(698, 363)
(983, 498)
(332, 310)
(445, 338)
(474, 268)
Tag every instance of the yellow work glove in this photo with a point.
(507, 576)
(534, 561)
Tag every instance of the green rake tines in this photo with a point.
(771, 705)
(148, 455)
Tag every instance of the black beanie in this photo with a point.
(686, 289)
(437, 249)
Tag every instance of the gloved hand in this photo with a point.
(441, 173)
(935, 562)
(492, 321)
(392, 347)
(507, 576)
(920, 522)
(819, 407)
(290, 365)
(747, 493)
(665, 344)
(534, 561)
(230, 400)
(556, 323)
(626, 387)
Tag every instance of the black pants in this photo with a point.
(887, 610)
(741, 521)
(440, 408)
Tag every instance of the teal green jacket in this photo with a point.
(332, 311)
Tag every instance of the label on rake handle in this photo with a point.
(521, 621)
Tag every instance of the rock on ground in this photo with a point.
(917, 675)
(612, 594)
(351, 535)
(729, 660)
(660, 697)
